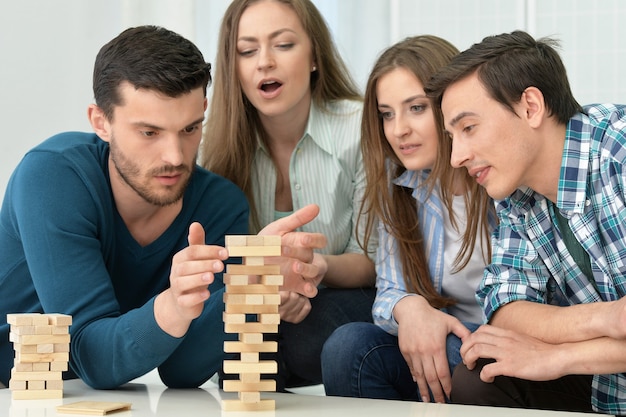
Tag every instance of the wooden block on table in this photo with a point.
(252, 309)
(27, 319)
(254, 251)
(232, 347)
(252, 269)
(44, 394)
(238, 405)
(99, 408)
(250, 327)
(238, 367)
(252, 289)
(236, 385)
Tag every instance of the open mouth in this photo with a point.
(270, 86)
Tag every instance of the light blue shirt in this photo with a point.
(326, 168)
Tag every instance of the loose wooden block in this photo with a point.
(44, 394)
(254, 250)
(252, 289)
(261, 367)
(255, 240)
(238, 405)
(253, 269)
(250, 328)
(234, 385)
(99, 408)
(232, 347)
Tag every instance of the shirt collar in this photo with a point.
(319, 132)
(414, 180)
(572, 191)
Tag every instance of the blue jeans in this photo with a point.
(300, 345)
(363, 360)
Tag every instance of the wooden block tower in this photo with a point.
(252, 301)
(42, 345)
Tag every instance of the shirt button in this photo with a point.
(587, 203)
(297, 186)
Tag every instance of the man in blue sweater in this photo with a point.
(123, 231)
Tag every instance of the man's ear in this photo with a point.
(535, 106)
(99, 122)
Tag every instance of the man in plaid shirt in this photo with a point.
(553, 294)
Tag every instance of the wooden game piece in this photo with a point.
(251, 310)
(241, 347)
(99, 408)
(253, 269)
(39, 394)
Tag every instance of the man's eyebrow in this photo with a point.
(460, 116)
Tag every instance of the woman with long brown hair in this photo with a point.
(433, 223)
(284, 125)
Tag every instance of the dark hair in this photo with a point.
(508, 64)
(148, 57)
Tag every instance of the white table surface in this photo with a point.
(149, 397)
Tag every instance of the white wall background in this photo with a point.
(47, 48)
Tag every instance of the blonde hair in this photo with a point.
(394, 205)
(233, 126)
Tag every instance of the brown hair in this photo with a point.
(395, 206)
(508, 64)
(233, 125)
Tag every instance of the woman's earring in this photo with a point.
(314, 68)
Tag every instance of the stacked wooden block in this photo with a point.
(42, 345)
(251, 309)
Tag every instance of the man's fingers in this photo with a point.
(196, 234)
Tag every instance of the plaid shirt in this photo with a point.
(530, 261)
